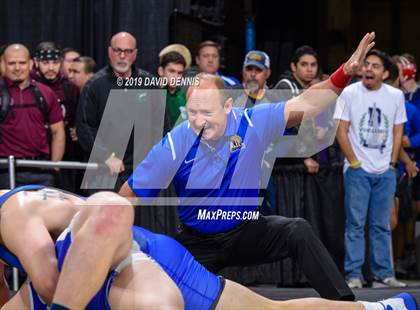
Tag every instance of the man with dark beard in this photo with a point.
(48, 64)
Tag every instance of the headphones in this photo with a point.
(408, 69)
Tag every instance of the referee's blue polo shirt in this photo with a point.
(212, 175)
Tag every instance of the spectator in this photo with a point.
(81, 70)
(371, 116)
(122, 53)
(411, 134)
(27, 108)
(48, 62)
(408, 187)
(69, 54)
(255, 73)
(304, 71)
(179, 48)
(208, 61)
(172, 67)
(408, 69)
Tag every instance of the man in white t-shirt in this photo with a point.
(371, 116)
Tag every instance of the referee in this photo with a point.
(214, 161)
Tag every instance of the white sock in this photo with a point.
(371, 305)
(395, 303)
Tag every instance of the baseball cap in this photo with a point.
(258, 59)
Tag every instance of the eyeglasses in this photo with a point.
(118, 51)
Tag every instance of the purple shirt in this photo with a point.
(23, 132)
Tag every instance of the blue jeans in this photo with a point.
(368, 196)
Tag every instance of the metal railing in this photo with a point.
(12, 163)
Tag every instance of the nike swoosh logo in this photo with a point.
(188, 161)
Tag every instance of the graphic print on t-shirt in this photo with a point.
(373, 129)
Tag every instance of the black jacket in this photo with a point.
(289, 84)
(91, 108)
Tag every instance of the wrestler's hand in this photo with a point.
(356, 60)
(114, 164)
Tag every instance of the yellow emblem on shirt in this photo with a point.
(235, 143)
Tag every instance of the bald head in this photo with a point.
(208, 81)
(17, 64)
(123, 37)
(16, 48)
(122, 53)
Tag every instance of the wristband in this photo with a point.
(355, 164)
(339, 79)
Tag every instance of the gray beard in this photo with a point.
(252, 86)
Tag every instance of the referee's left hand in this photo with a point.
(356, 60)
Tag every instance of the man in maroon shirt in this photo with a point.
(48, 62)
(22, 129)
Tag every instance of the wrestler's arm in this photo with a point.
(26, 236)
(321, 95)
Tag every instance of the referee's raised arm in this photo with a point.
(321, 95)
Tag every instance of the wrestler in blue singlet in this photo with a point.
(200, 288)
(5, 255)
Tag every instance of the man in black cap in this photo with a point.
(47, 70)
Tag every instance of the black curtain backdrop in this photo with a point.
(88, 25)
